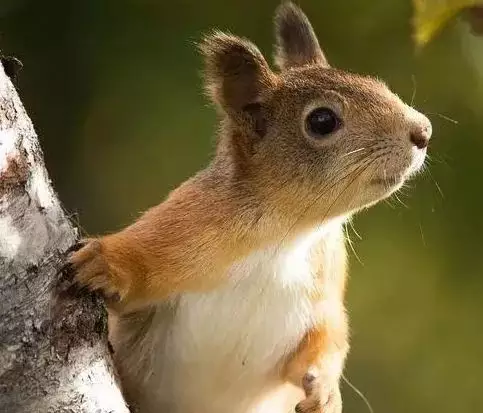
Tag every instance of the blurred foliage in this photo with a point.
(431, 15)
(113, 88)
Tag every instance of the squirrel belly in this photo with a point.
(224, 350)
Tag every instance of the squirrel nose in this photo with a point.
(420, 135)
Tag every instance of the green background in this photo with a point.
(113, 88)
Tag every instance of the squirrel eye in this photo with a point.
(321, 122)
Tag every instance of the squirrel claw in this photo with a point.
(313, 404)
(87, 267)
(315, 401)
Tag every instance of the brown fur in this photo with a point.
(269, 183)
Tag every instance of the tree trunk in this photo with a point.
(53, 347)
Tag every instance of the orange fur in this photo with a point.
(307, 355)
(183, 244)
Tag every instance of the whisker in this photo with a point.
(389, 203)
(422, 234)
(435, 183)
(428, 161)
(359, 169)
(351, 224)
(354, 230)
(360, 172)
(351, 152)
(443, 117)
(349, 241)
(399, 199)
(435, 157)
(359, 393)
(404, 190)
(413, 78)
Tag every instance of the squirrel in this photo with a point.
(230, 293)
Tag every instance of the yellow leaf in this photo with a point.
(431, 15)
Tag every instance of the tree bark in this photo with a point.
(54, 353)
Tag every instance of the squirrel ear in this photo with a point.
(297, 44)
(236, 73)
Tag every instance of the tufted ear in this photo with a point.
(296, 42)
(236, 73)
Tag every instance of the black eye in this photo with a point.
(321, 122)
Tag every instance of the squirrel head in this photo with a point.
(309, 137)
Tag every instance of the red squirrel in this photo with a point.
(233, 287)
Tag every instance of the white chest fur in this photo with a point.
(259, 315)
(224, 346)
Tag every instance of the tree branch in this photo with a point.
(53, 347)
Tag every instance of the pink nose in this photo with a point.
(420, 136)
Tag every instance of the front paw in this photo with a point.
(320, 397)
(91, 269)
